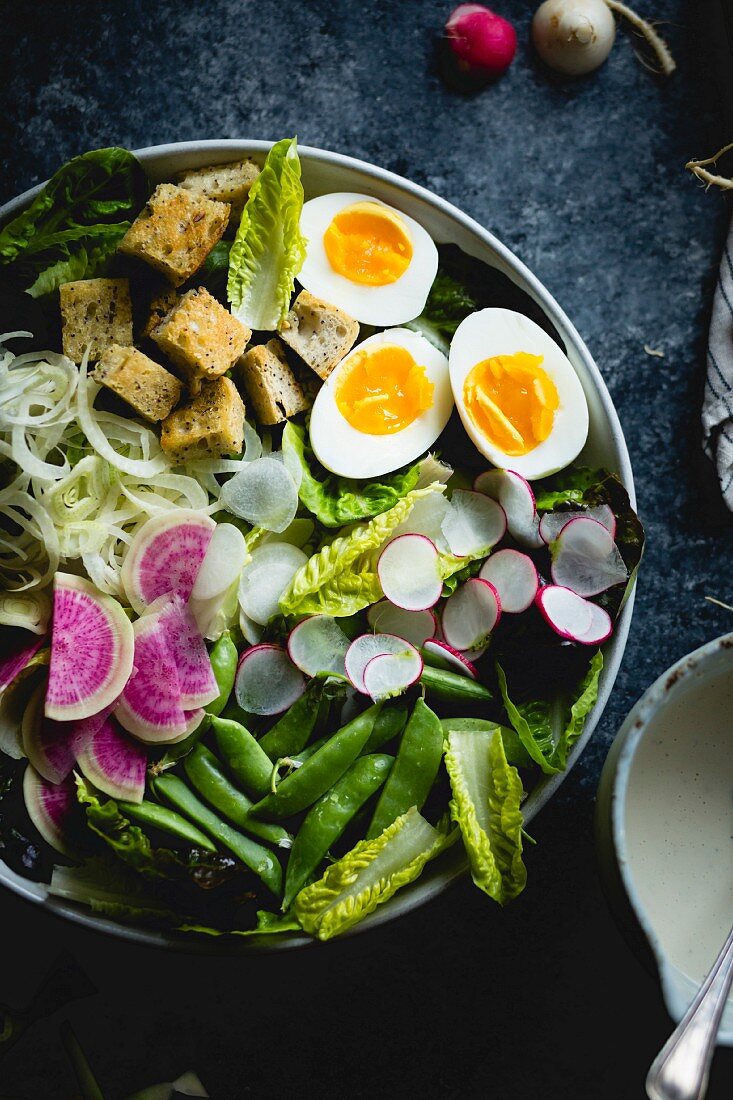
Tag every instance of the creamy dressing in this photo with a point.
(679, 823)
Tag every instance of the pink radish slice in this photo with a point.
(552, 523)
(197, 684)
(166, 555)
(364, 648)
(601, 626)
(409, 572)
(150, 706)
(318, 645)
(470, 614)
(445, 656)
(267, 681)
(514, 494)
(473, 523)
(389, 674)
(515, 578)
(51, 807)
(92, 645)
(568, 614)
(114, 763)
(14, 663)
(414, 626)
(586, 559)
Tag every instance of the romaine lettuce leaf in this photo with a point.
(110, 888)
(269, 248)
(487, 795)
(516, 753)
(268, 924)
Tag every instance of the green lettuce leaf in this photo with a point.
(487, 795)
(368, 875)
(268, 924)
(516, 753)
(109, 887)
(580, 708)
(449, 303)
(269, 248)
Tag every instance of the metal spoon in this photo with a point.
(681, 1069)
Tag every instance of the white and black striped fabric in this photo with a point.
(717, 410)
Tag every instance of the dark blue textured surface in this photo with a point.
(585, 181)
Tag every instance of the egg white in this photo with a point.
(392, 304)
(491, 332)
(344, 450)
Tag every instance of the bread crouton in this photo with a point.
(223, 182)
(321, 334)
(94, 313)
(270, 383)
(210, 425)
(161, 303)
(201, 337)
(148, 388)
(176, 231)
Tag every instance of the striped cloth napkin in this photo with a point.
(717, 409)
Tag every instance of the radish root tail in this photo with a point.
(697, 167)
(667, 63)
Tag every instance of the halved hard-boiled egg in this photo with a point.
(371, 260)
(383, 406)
(517, 393)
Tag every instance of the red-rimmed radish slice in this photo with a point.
(217, 580)
(196, 680)
(114, 763)
(166, 555)
(409, 572)
(51, 807)
(515, 578)
(414, 626)
(92, 647)
(364, 648)
(470, 614)
(514, 494)
(586, 559)
(267, 681)
(473, 523)
(600, 629)
(150, 706)
(390, 674)
(318, 644)
(266, 576)
(568, 614)
(552, 523)
(262, 492)
(441, 655)
(13, 664)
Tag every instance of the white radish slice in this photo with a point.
(262, 492)
(196, 680)
(391, 674)
(514, 494)
(601, 626)
(364, 648)
(473, 524)
(51, 807)
(166, 555)
(150, 706)
(267, 681)
(586, 559)
(425, 518)
(445, 656)
(318, 644)
(409, 572)
(114, 763)
(568, 614)
(265, 578)
(514, 576)
(552, 523)
(470, 614)
(251, 630)
(92, 645)
(414, 626)
(216, 584)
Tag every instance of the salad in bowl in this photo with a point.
(305, 580)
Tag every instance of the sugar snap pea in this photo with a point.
(168, 821)
(243, 756)
(292, 732)
(414, 771)
(223, 659)
(259, 859)
(452, 687)
(389, 724)
(327, 820)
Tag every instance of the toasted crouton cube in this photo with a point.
(271, 386)
(321, 334)
(161, 303)
(94, 313)
(223, 182)
(212, 423)
(201, 337)
(176, 231)
(148, 388)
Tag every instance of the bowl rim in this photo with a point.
(421, 891)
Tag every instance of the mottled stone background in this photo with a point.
(585, 181)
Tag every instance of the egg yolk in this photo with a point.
(383, 390)
(512, 401)
(368, 244)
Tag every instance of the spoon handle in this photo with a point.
(680, 1070)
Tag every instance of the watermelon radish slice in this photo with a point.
(514, 494)
(390, 674)
(92, 647)
(196, 681)
(114, 763)
(51, 807)
(364, 648)
(586, 559)
(166, 555)
(14, 663)
(318, 644)
(566, 612)
(150, 706)
(441, 655)
(514, 576)
(214, 596)
(470, 614)
(414, 626)
(267, 681)
(409, 572)
(552, 523)
(473, 524)
(51, 746)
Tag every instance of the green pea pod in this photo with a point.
(389, 724)
(452, 687)
(309, 750)
(301, 788)
(329, 817)
(224, 658)
(168, 821)
(414, 771)
(243, 755)
(205, 773)
(253, 855)
(292, 732)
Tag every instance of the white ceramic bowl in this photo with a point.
(324, 172)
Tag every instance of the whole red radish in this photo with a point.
(481, 44)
